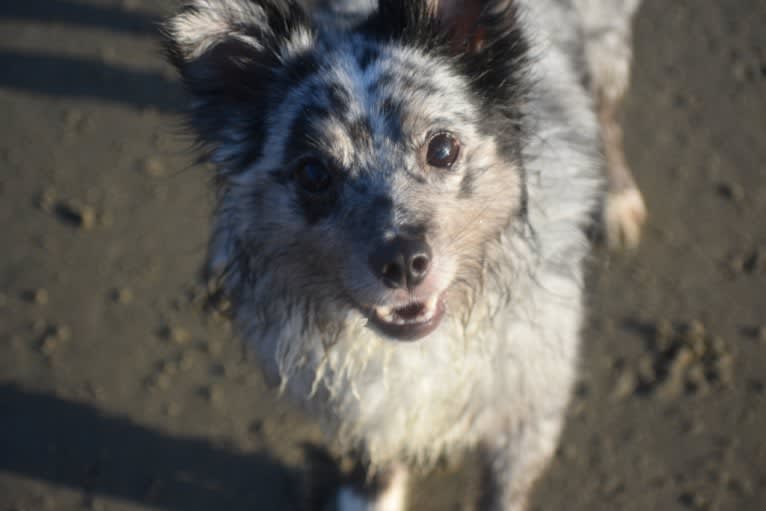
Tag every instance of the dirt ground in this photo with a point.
(118, 392)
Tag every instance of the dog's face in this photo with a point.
(366, 167)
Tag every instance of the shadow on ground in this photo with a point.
(65, 443)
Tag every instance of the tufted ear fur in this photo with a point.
(227, 53)
(483, 37)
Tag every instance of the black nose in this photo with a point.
(401, 262)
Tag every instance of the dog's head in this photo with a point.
(364, 165)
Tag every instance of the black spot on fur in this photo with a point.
(360, 132)
(367, 56)
(466, 186)
(339, 99)
(298, 69)
(301, 139)
(281, 176)
(382, 202)
(313, 210)
(524, 202)
(495, 68)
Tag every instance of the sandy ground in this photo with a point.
(118, 392)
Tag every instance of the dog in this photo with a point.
(405, 190)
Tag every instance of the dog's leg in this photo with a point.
(512, 463)
(385, 491)
(624, 211)
(608, 53)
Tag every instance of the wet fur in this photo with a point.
(270, 81)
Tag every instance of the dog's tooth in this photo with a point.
(385, 313)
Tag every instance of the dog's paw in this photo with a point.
(624, 217)
(387, 494)
(349, 500)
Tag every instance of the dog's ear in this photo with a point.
(227, 53)
(483, 37)
(465, 21)
(468, 26)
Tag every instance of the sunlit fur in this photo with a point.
(272, 82)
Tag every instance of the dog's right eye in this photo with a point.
(443, 150)
(313, 177)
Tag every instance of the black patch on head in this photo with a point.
(301, 138)
(382, 202)
(391, 110)
(466, 186)
(367, 56)
(405, 21)
(339, 99)
(495, 69)
(298, 69)
(313, 210)
(301, 142)
(295, 71)
(415, 230)
(360, 132)
(281, 176)
(234, 83)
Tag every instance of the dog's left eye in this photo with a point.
(443, 150)
(313, 176)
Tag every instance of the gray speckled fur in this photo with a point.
(498, 372)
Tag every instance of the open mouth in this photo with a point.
(409, 322)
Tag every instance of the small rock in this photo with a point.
(626, 385)
(683, 359)
(176, 334)
(696, 378)
(49, 345)
(664, 331)
(723, 367)
(761, 334)
(38, 296)
(698, 346)
(62, 332)
(77, 214)
(736, 264)
(646, 370)
(731, 190)
(756, 263)
(161, 381)
(152, 167)
(214, 394)
(122, 296)
(695, 332)
(47, 200)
